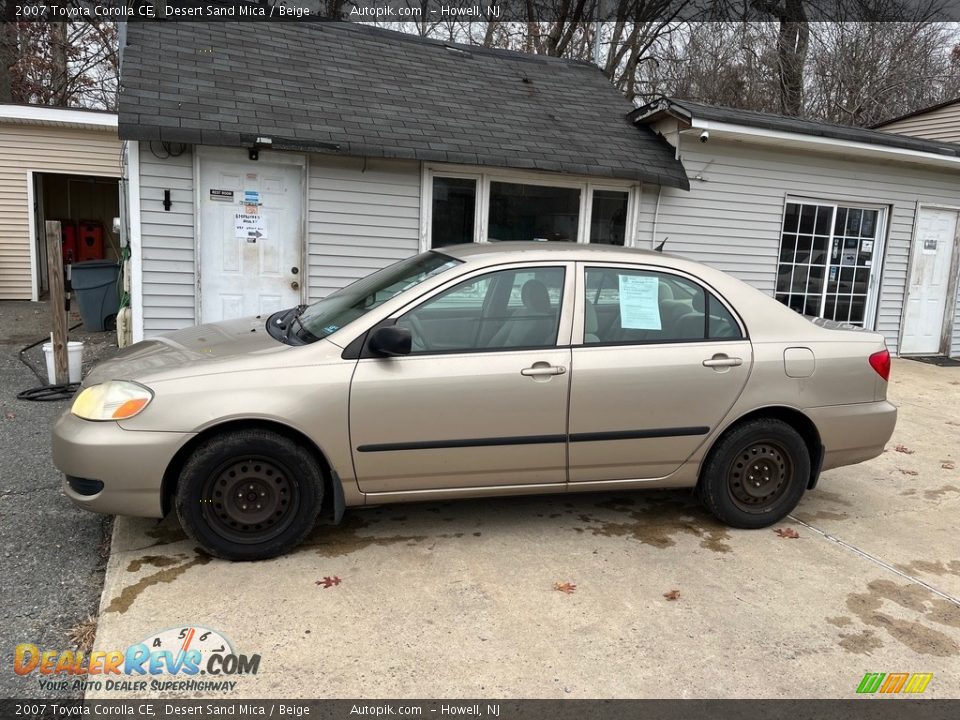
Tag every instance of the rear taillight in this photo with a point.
(880, 361)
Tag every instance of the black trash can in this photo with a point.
(94, 284)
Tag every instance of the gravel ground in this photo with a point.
(53, 553)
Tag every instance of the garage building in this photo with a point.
(273, 164)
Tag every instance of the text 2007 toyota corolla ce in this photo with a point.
(487, 369)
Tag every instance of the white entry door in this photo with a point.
(251, 233)
(929, 282)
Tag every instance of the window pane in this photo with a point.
(608, 220)
(722, 323)
(454, 204)
(533, 212)
(481, 314)
(637, 306)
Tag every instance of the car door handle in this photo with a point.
(543, 369)
(721, 360)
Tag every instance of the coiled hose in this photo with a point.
(45, 393)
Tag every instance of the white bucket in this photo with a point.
(74, 361)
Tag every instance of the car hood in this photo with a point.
(197, 350)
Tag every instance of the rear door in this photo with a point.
(658, 365)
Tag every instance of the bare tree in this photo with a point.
(71, 64)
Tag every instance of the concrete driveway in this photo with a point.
(459, 600)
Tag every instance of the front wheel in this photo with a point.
(755, 474)
(249, 495)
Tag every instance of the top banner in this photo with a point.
(427, 12)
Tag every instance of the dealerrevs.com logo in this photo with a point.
(894, 683)
(185, 659)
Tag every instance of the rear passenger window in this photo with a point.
(640, 306)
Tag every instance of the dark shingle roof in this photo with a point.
(783, 123)
(363, 91)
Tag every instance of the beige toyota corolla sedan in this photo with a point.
(487, 369)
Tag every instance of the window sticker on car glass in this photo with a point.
(639, 302)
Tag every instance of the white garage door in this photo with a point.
(929, 282)
(251, 233)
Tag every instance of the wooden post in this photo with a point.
(58, 309)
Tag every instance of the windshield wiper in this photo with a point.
(287, 321)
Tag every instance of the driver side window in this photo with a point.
(500, 310)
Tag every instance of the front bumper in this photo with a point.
(853, 433)
(129, 463)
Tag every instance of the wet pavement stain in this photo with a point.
(658, 520)
(811, 518)
(941, 492)
(861, 643)
(932, 568)
(830, 496)
(914, 634)
(129, 594)
(166, 532)
(160, 561)
(343, 539)
(840, 621)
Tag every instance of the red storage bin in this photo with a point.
(90, 241)
(68, 241)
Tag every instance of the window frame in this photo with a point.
(872, 299)
(580, 308)
(564, 326)
(484, 177)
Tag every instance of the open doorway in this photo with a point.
(86, 206)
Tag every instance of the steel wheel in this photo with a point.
(759, 476)
(250, 500)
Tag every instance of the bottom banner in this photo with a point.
(865, 709)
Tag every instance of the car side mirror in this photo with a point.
(390, 341)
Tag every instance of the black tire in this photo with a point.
(249, 495)
(756, 474)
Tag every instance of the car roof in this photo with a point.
(533, 251)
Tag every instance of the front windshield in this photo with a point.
(346, 305)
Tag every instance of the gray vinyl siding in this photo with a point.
(955, 340)
(646, 217)
(363, 215)
(169, 285)
(731, 218)
(939, 124)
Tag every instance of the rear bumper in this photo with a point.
(853, 433)
(112, 470)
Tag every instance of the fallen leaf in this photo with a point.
(909, 472)
(672, 595)
(9, 415)
(787, 533)
(948, 465)
(565, 587)
(903, 449)
(328, 582)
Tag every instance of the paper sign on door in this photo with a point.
(249, 226)
(639, 302)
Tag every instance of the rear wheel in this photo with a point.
(755, 474)
(249, 495)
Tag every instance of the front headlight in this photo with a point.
(113, 400)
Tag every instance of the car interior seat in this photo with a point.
(532, 324)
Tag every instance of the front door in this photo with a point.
(661, 364)
(482, 398)
(251, 234)
(929, 282)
